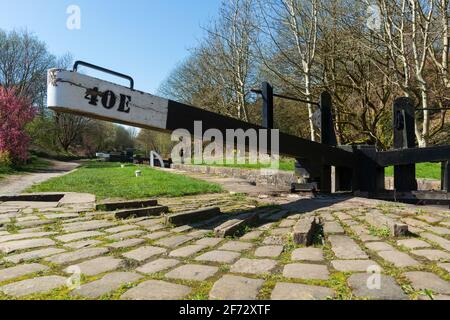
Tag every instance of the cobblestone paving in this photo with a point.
(45, 246)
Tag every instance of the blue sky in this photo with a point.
(142, 38)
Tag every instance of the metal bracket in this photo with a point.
(98, 68)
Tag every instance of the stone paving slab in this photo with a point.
(388, 289)
(307, 254)
(219, 256)
(237, 246)
(126, 234)
(306, 271)
(415, 223)
(61, 216)
(287, 223)
(186, 251)
(445, 266)
(74, 256)
(445, 224)
(32, 255)
(427, 280)
(269, 251)
(193, 272)
(251, 235)
(442, 242)
(158, 265)
(413, 243)
(173, 242)
(333, 227)
(33, 286)
(379, 220)
(99, 265)
(295, 291)
(145, 222)
(379, 246)
(144, 253)
(429, 218)
(21, 270)
(209, 242)
(181, 229)
(157, 290)
(281, 231)
(345, 248)
(22, 236)
(253, 266)
(398, 258)
(30, 204)
(108, 283)
(78, 236)
(126, 243)
(31, 230)
(273, 240)
(27, 218)
(11, 246)
(439, 230)
(197, 234)
(344, 216)
(82, 244)
(122, 228)
(34, 223)
(155, 227)
(156, 235)
(235, 288)
(354, 265)
(432, 255)
(87, 225)
(363, 233)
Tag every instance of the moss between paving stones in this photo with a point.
(397, 273)
(200, 290)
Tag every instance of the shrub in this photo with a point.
(5, 159)
(15, 113)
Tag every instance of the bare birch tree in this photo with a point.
(292, 27)
(409, 34)
(228, 53)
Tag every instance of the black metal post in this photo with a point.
(328, 134)
(404, 138)
(370, 176)
(267, 108)
(445, 176)
(328, 137)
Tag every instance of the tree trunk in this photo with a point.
(310, 107)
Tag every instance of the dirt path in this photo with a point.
(18, 183)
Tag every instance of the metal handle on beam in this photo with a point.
(98, 68)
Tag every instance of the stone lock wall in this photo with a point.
(280, 179)
(277, 179)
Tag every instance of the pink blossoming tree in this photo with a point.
(15, 113)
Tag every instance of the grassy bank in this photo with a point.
(423, 171)
(285, 165)
(33, 165)
(109, 180)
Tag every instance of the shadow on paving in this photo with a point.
(266, 214)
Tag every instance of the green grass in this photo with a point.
(109, 180)
(423, 171)
(285, 165)
(33, 165)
